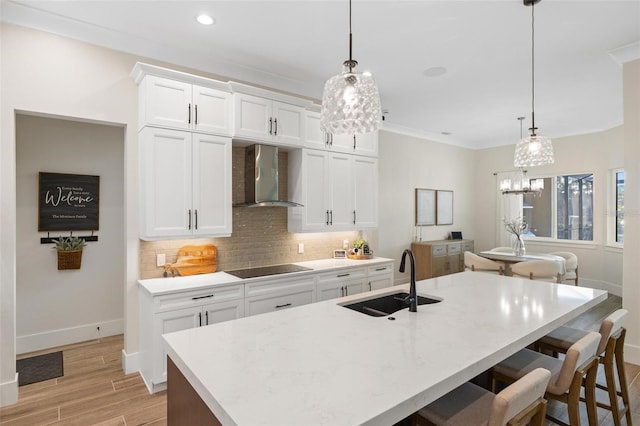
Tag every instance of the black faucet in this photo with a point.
(413, 297)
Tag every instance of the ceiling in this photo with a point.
(295, 45)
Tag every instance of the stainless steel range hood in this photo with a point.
(261, 178)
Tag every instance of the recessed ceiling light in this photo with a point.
(205, 19)
(435, 71)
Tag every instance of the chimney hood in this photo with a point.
(261, 178)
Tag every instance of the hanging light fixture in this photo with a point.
(350, 100)
(534, 150)
(518, 183)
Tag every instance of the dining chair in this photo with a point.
(570, 265)
(520, 403)
(578, 369)
(478, 263)
(540, 270)
(610, 351)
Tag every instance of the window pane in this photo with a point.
(536, 210)
(620, 207)
(575, 207)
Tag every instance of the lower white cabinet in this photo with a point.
(379, 276)
(346, 282)
(180, 311)
(276, 294)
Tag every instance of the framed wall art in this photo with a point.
(68, 202)
(425, 207)
(444, 207)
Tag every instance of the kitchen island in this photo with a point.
(323, 364)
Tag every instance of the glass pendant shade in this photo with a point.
(351, 103)
(534, 150)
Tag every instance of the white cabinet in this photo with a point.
(315, 138)
(180, 311)
(345, 282)
(185, 184)
(175, 104)
(339, 191)
(379, 276)
(262, 119)
(275, 294)
(360, 144)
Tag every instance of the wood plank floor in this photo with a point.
(95, 391)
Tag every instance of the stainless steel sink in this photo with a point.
(387, 304)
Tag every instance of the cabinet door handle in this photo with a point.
(346, 290)
(275, 126)
(270, 126)
(202, 297)
(327, 216)
(189, 114)
(330, 217)
(331, 139)
(326, 139)
(354, 142)
(199, 319)
(196, 114)
(189, 214)
(354, 217)
(343, 275)
(283, 306)
(206, 315)
(196, 213)
(341, 291)
(369, 285)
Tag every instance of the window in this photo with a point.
(563, 210)
(619, 206)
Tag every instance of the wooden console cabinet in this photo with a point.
(442, 257)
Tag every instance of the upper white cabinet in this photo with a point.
(176, 104)
(185, 184)
(360, 144)
(263, 119)
(338, 191)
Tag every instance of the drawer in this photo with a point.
(301, 295)
(467, 246)
(342, 275)
(198, 297)
(453, 248)
(384, 269)
(273, 286)
(439, 250)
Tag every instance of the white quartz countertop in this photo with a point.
(323, 364)
(159, 286)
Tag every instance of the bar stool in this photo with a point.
(540, 270)
(570, 265)
(479, 263)
(469, 405)
(567, 375)
(612, 346)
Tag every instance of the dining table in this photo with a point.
(510, 258)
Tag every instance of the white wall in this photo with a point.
(58, 307)
(599, 266)
(407, 163)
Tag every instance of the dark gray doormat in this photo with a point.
(39, 368)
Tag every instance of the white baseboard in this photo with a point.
(9, 392)
(67, 336)
(632, 354)
(130, 362)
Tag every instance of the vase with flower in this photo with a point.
(516, 228)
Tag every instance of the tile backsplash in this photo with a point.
(259, 236)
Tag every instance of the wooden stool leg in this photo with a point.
(590, 393)
(610, 378)
(622, 375)
(573, 400)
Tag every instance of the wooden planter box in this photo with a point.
(69, 259)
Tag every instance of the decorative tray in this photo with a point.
(360, 256)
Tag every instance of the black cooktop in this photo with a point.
(267, 270)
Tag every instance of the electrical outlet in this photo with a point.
(161, 259)
(300, 248)
(345, 244)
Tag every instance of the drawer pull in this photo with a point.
(283, 306)
(202, 297)
(381, 269)
(342, 275)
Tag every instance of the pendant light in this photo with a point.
(519, 183)
(350, 100)
(534, 150)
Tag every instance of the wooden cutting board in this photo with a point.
(194, 260)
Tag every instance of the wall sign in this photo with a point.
(68, 202)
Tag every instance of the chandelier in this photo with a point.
(534, 150)
(520, 184)
(350, 100)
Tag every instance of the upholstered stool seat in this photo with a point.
(539, 270)
(567, 375)
(570, 265)
(610, 351)
(471, 405)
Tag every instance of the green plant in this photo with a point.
(69, 243)
(358, 243)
